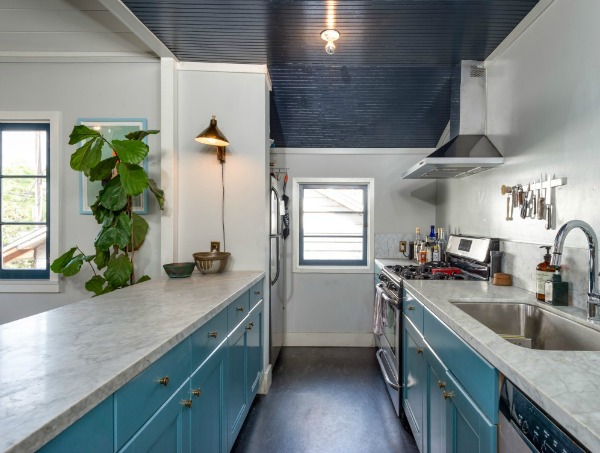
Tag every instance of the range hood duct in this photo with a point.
(469, 151)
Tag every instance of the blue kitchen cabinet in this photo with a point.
(436, 403)
(254, 345)
(209, 422)
(237, 395)
(168, 430)
(91, 433)
(415, 384)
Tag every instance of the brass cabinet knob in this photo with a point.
(240, 308)
(250, 326)
(448, 395)
(163, 381)
(257, 292)
(419, 350)
(213, 334)
(441, 384)
(196, 392)
(411, 308)
(186, 403)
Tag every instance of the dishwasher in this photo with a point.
(524, 427)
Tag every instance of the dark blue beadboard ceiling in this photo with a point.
(386, 86)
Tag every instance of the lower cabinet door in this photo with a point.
(91, 433)
(436, 404)
(467, 429)
(415, 384)
(237, 398)
(255, 351)
(168, 430)
(209, 430)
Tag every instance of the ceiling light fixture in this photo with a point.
(330, 36)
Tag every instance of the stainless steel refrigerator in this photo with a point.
(276, 270)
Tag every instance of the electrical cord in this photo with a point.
(223, 203)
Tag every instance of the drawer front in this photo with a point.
(476, 375)
(256, 293)
(237, 311)
(413, 309)
(137, 400)
(206, 339)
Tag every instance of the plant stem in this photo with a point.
(93, 270)
(130, 213)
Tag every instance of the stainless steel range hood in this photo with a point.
(469, 150)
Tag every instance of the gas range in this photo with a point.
(468, 259)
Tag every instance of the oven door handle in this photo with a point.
(391, 301)
(388, 381)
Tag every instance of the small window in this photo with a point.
(24, 200)
(333, 222)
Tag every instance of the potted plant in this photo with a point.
(122, 232)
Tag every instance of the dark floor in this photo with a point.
(324, 400)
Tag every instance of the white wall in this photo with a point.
(102, 90)
(238, 101)
(544, 117)
(337, 309)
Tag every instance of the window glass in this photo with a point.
(24, 156)
(333, 224)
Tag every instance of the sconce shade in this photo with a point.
(212, 135)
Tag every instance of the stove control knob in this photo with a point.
(525, 427)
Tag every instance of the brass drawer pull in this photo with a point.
(441, 384)
(257, 292)
(196, 392)
(240, 308)
(163, 381)
(250, 326)
(448, 395)
(419, 350)
(411, 308)
(186, 403)
(213, 334)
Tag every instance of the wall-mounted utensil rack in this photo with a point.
(278, 171)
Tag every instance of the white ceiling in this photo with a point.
(59, 29)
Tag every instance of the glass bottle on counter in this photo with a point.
(441, 244)
(543, 273)
(417, 243)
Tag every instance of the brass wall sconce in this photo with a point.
(213, 136)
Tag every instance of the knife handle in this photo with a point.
(541, 208)
(548, 216)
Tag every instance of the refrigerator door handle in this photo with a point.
(278, 235)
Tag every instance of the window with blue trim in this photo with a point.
(333, 224)
(24, 200)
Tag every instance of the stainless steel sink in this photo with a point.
(532, 327)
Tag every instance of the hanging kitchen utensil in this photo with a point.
(549, 204)
(525, 202)
(505, 189)
(285, 220)
(541, 200)
(508, 208)
(519, 197)
(533, 204)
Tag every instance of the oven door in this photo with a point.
(388, 352)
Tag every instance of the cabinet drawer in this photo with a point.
(206, 339)
(256, 293)
(469, 368)
(413, 309)
(137, 400)
(237, 311)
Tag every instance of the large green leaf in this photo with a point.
(73, 266)
(118, 234)
(113, 196)
(133, 178)
(104, 169)
(81, 133)
(101, 259)
(60, 263)
(158, 193)
(143, 278)
(140, 229)
(118, 271)
(102, 215)
(130, 151)
(140, 135)
(87, 156)
(96, 284)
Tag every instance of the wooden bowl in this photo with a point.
(211, 262)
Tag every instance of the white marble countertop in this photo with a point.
(565, 384)
(393, 261)
(56, 366)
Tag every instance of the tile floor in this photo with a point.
(324, 400)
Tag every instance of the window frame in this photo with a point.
(333, 266)
(49, 283)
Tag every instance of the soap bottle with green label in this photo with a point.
(543, 273)
(557, 291)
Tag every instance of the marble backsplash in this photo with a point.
(519, 259)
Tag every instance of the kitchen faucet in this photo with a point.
(593, 298)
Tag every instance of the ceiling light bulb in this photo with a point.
(330, 36)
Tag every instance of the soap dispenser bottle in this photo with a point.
(557, 291)
(543, 272)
